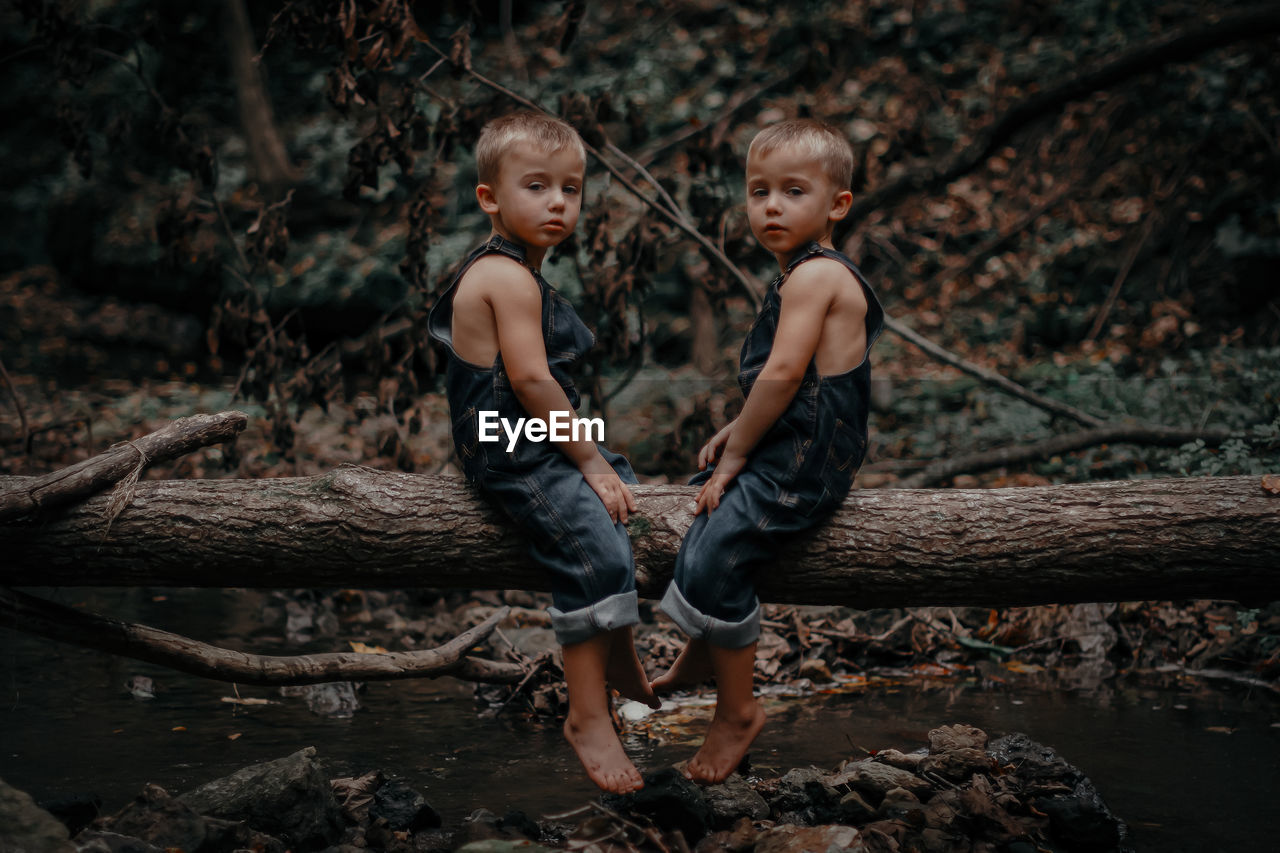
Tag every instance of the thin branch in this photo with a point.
(990, 377)
(1130, 258)
(33, 615)
(626, 158)
(1000, 457)
(17, 404)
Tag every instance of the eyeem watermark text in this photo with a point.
(561, 427)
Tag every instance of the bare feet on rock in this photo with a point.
(601, 754)
(692, 666)
(728, 740)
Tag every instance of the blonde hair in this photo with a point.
(813, 138)
(499, 135)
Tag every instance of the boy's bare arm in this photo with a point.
(517, 310)
(807, 298)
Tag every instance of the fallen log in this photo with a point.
(357, 527)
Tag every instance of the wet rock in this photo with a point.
(854, 810)
(901, 804)
(289, 798)
(229, 836)
(961, 736)
(141, 687)
(160, 819)
(517, 821)
(102, 841)
(873, 780)
(1082, 821)
(802, 790)
(733, 799)
(403, 808)
(76, 811)
(958, 764)
(940, 841)
(333, 699)
(1077, 814)
(670, 801)
(809, 839)
(481, 825)
(26, 826)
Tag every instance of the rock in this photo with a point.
(101, 841)
(1082, 821)
(940, 841)
(874, 779)
(24, 826)
(670, 801)
(959, 736)
(234, 835)
(160, 819)
(809, 839)
(520, 822)
(403, 808)
(289, 798)
(901, 804)
(733, 799)
(76, 811)
(815, 669)
(332, 699)
(804, 789)
(958, 764)
(854, 810)
(481, 825)
(1077, 814)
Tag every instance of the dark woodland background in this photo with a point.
(220, 205)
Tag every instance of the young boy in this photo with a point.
(510, 337)
(789, 458)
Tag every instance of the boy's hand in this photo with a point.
(709, 496)
(710, 451)
(613, 493)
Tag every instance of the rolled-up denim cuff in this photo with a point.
(717, 632)
(575, 626)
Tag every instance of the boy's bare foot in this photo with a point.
(625, 674)
(601, 754)
(692, 666)
(728, 740)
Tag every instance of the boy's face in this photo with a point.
(791, 201)
(537, 197)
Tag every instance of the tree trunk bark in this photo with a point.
(356, 527)
(271, 164)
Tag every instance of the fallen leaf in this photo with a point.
(234, 736)
(1271, 483)
(179, 728)
(363, 649)
(1223, 730)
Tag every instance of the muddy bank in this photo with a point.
(962, 793)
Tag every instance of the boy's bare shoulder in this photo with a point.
(820, 273)
(499, 274)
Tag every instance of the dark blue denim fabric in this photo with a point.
(570, 533)
(796, 476)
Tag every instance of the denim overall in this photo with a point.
(795, 477)
(570, 533)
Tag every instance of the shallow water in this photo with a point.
(1191, 767)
